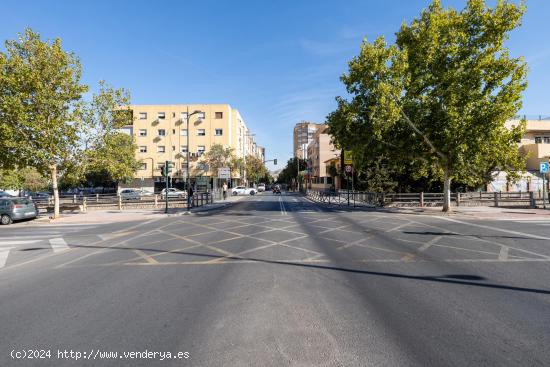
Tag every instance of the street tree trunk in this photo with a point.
(53, 168)
(446, 191)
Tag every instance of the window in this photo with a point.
(161, 132)
(142, 166)
(173, 148)
(201, 115)
(173, 114)
(161, 149)
(201, 132)
(143, 115)
(183, 115)
(173, 131)
(219, 115)
(538, 139)
(142, 132)
(183, 149)
(143, 149)
(546, 140)
(219, 132)
(160, 166)
(200, 149)
(183, 132)
(161, 115)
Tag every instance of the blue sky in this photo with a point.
(278, 62)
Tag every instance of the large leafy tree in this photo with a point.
(218, 156)
(107, 151)
(436, 102)
(39, 90)
(255, 168)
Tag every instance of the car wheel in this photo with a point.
(252, 193)
(5, 219)
(235, 193)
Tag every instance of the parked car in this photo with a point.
(4, 194)
(145, 192)
(261, 188)
(173, 193)
(15, 209)
(241, 190)
(130, 194)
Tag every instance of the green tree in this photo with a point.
(33, 180)
(10, 179)
(108, 152)
(436, 102)
(255, 169)
(218, 156)
(290, 172)
(39, 90)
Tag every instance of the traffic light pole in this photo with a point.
(166, 177)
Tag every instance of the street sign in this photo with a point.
(348, 157)
(348, 169)
(202, 166)
(543, 167)
(224, 172)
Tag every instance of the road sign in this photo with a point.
(348, 169)
(543, 167)
(202, 166)
(224, 172)
(348, 157)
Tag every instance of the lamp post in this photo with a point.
(188, 179)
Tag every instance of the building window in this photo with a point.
(201, 115)
(143, 149)
(183, 149)
(183, 132)
(546, 140)
(161, 149)
(173, 148)
(142, 132)
(219, 115)
(160, 166)
(142, 166)
(183, 115)
(201, 132)
(219, 132)
(161, 132)
(201, 149)
(161, 115)
(173, 114)
(143, 115)
(173, 131)
(538, 139)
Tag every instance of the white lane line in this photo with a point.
(494, 228)
(18, 242)
(428, 244)
(4, 252)
(503, 255)
(282, 205)
(58, 244)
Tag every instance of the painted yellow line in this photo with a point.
(146, 257)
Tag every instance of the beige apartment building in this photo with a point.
(302, 136)
(161, 133)
(319, 151)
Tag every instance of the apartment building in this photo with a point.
(162, 132)
(319, 151)
(302, 136)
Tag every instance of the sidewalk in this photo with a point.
(482, 212)
(109, 216)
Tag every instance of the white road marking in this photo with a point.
(4, 252)
(17, 242)
(428, 244)
(58, 244)
(503, 255)
(494, 228)
(282, 205)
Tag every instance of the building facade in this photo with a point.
(302, 136)
(161, 133)
(320, 150)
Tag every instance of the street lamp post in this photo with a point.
(188, 179)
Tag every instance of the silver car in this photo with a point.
(15, 209)
(130, 194)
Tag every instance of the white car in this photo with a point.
(173, 193)
(261, 188)
(241, 190)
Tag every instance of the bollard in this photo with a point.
(495, 198)
(84, 205)
(97, 198)
(119, 202)
(532, 202)
(422, 199)
(74, 198)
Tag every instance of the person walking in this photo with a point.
(190, 196)
(224, 190)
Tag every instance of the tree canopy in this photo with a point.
(436, 102)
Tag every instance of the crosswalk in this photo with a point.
(9, 244)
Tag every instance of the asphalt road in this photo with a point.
(277, 281)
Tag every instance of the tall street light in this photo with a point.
(188, 180)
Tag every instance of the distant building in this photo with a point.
(160, 132)
(319, 150)
(303, 134)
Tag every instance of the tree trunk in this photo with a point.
(55, 192)
(446, 191)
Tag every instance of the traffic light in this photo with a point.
(275, 161)
(167, 169)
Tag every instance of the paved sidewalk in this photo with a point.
(483, 212)
(105, 216)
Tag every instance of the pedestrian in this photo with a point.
(190, 196)
(224, 190)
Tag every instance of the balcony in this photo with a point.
(535, 153)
